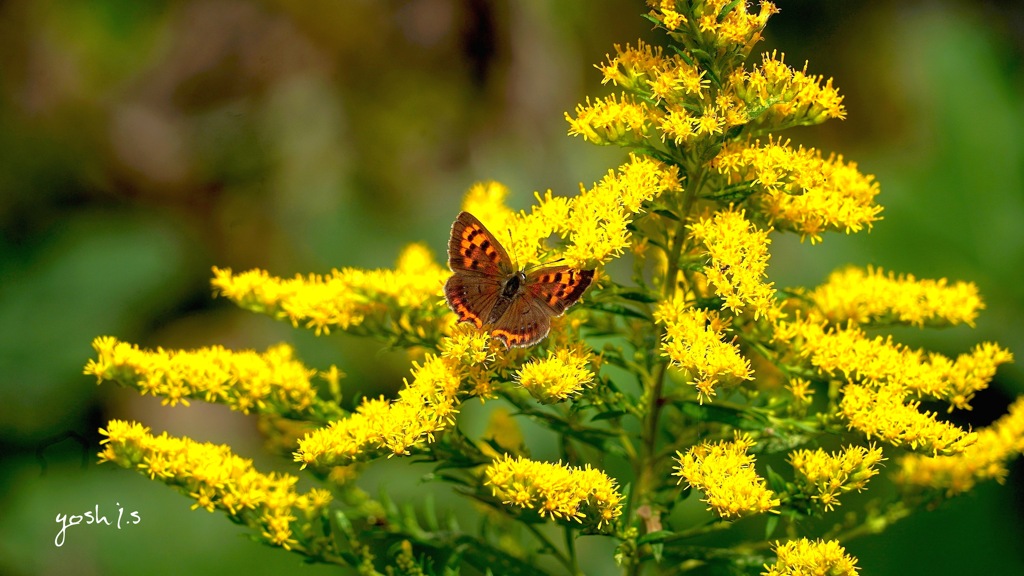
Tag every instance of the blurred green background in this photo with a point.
(142, 143)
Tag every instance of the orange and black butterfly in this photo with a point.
(487, 290)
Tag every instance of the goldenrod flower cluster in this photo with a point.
(724, 472)
(804, 557)
(886, 414)
(424, 407)
(880, 362)
(270, 383)
(560, 376)
(694, 342)
(739, 259)
(220, 480)
(822, 476)
(397, 303)
(595, 224)
(871, 295)
(566, 493)
(798, 190)
(986, 459)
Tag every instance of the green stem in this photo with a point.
(570, 546)
(570, 565)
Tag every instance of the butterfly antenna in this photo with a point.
(515, 255)
(542, 264)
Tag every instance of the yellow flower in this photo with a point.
(631, 67)
(610, 120)
(486, 201)
(694, 342)
(270, 383)
(218, 479)
(885, 414)
(425, 406)
(560, 376)
(874, 296)
(739, 260)
(599, 218)
(800, 388)
(724, 472)
(722, 26)
(986, 459)
(800, 190)
(822, 476)
(400, 303)
(594, 223)
(781, 97)
(804, 557)
(565, 493)
(880, 361)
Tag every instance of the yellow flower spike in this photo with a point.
(800, 190)
(823, 476)
(486, 201)
(783, 96)
(559, 377)
(986, 459)
(582, 495)
(724, 472)
(694, 342)
(885, 414)
(424, 407)
(719, 29)
(870, 295)
(880, 361)
(739, 260)
(632, 67)
(622, 121)
(467, 345)
(598, 219)
(803, 557)
(273, 382)
(218, 479)
(362, 301)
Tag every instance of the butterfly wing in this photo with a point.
(472, 295)
(544, 294)
(558, 287)
(525, 322)
(473, 249)
(479, 265)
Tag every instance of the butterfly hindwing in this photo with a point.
(473, 249)
(472, 296)
(524, 323)
(559, 287)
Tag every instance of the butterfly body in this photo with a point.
(487, 290)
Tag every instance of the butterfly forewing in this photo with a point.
(472, 248)
(559, 287)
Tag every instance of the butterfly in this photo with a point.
(487, 290)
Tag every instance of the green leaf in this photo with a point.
(637, 296)
(775, 480)
(666, 213)
(618, 310)
(733, 193)
(771, 525)
(654, 537)
(726, 9)
(610, 414)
